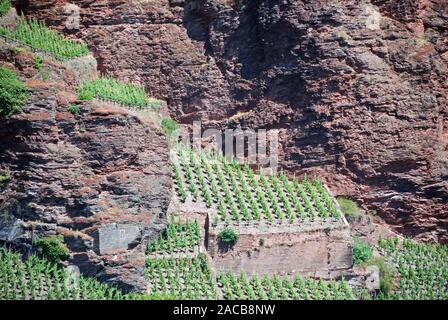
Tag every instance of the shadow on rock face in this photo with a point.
(224, 247)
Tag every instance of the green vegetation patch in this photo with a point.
(13, 93)
(155, 104)
(183, 278)
(228, 236)
(386, 276)
(348, 207)
(35, 34)
(362, 251)
(38, 62)
(169, 126)
(5, 5)
(422, 270)
(178, 237)
(17, 50)
(243, 287)
(74, 108)
(4, 179)
(239, 194)
(110, 89)
(37, 278)
(52, 248)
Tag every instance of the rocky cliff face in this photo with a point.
(100, 178)
(357, 88)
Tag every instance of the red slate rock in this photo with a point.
(75, 175)
(358, 89)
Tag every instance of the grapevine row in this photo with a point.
(240, 195)
(182, 278)
(38, 279)
(422, 269)
(242, 287)
(177, 237)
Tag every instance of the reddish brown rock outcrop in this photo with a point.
(358, 88)
(101, 177)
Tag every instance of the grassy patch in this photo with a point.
(169, 126)
(73, 108)
(13, 93)
(18, 50)
(348, 207)
(86, 95)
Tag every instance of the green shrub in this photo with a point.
(38, 36)
(362, 252)
(5, 5)
(169, 126)
(348, 207)
(13, 93)
(38, 62)
(52, 248)
(73, 108)
(110, 89)
(228, 236)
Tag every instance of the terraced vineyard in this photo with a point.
(38, 279)
(179, 237)
(106, 88)
(240, 195)
(422, 269)
(174, 269)
(242, 287)
(36, 35)
(182, 278)
(185, 277)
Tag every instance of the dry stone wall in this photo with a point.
(321, 252)
(320, 248)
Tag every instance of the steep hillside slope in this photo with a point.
(357, 88)
(96, 173)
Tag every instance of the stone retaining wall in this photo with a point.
(320, 253)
